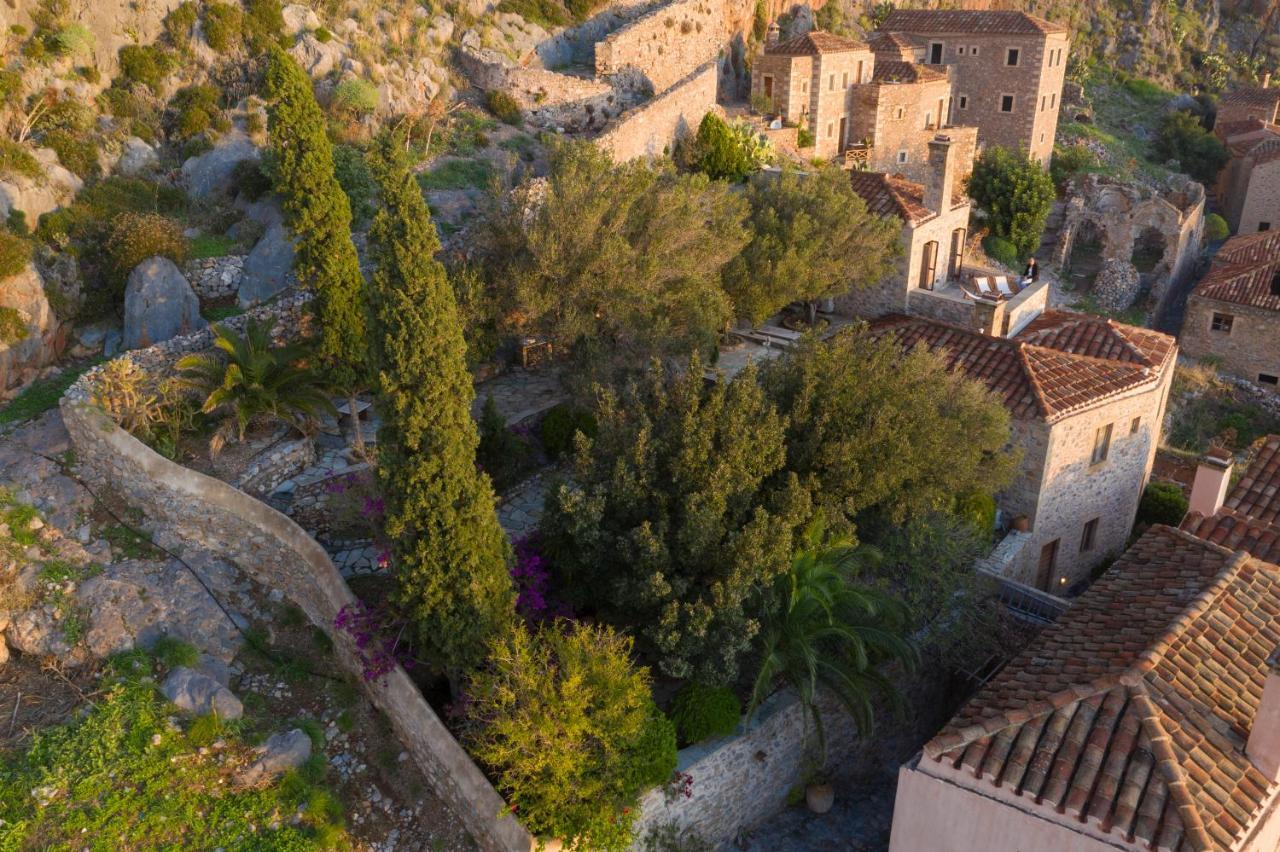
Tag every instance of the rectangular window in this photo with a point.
(960, 50)
(859, 70)
(1048, 562)
(1268, 379)
(831, 129)
(1006, 103)
(935, 53)
(1222, 322)
(844, 81)
(1135, 425)
(1101, 445)
(928, 120)
(963, 102)
(1264, 226)
(1011, 58)
(973, 50)
(831, 83)
(1053, 100)
(1088, 536)
(900, 113)
(1044, 102)
(902, 157)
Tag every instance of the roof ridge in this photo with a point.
(1119, 329)
(1168, 765)
(1037, 387)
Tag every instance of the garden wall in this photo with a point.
(279, 554)
(650, 129)
(666, 44)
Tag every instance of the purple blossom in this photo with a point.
(532, 576)
(377, 639)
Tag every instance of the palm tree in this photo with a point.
(830, 632)
(254, 381)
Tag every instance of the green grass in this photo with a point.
(522, 145)
(457, 174)
(128, 542)
(41, 395)
(1215, 415)
(212, 245)
(1125, 107)
(217, 313)
(1129, 316)
(121, 777)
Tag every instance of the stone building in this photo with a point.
(1147, 717)
(1087, 399)
(810, 79)
(1241, 105)
(1249, 185)
(1233, 314)
(1007, 70)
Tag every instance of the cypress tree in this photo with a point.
(320, 215)
(451, 554)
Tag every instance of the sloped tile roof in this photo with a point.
(1132, 710)
(1243, 271)
(966, 22)
(1266, 151)
(895, 71)
(1251, 96)
(884, 42)
(891, 195)
(1250, 516)
(813, 43)
(1060, 364)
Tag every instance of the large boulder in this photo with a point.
(199, 694)
(269, 267)
(41, 340)
(211, 172)
(136, 157)
(298, 18)
(35, 196)
(158, 304)
(279, 754)
(317, 57)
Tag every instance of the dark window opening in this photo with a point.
(1135, 425)
(1087, 537)
(1006, 103)
(1222, 322)
(1101, 445)
(1264, 226)
(1266, 379)
(964, 102)
(1275, 284)
(935, 53)
(1012, 58)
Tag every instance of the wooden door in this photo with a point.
(956, 263)
(1048, 561)
(928, 264)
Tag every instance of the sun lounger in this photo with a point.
(1002, 284)
(983, 286)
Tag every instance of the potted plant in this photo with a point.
(828, 631)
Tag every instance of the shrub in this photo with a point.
(701, 712)
(15, 253)
(804, 138)
(264, 24)
(146, 64)
(1000, 250)
(582, 9)
(138, 236)
(561, 424)
(1016, 193)
(251, 179)
(1162, 503)
(16, 222)
(355, 179)
(17, 159)
(12, 327)
(978, 509)
(503, 106)
(179, 22)
(323, 35)
(1068, 162)
(355, 94)
(77, 153)
(567, 726)
(1198, 152)
(720, 153)
(545, 13)
(223, 25)
(72, 40)
(196, 110)
(1215, 228)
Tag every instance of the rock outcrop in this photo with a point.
(211, 173)
(268, 269)
(35, 196)
(158, 304)
(199, 694)
(44, 336)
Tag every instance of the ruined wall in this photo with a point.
(667, 44)
(649, 130)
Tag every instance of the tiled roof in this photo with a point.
(813, 43)
(1132, 710)
(1250, 517)
(1266, 151)
(1243, 271)
(883, 42)
(1257, 494)
(891, 195)
(968, 22)
(894, 71)
(1060, 364)
(1232, 530)
(1251, 96)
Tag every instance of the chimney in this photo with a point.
(1209, 489)
(1263, 747)
(1266, 79)
(773, 34)
(942, 175)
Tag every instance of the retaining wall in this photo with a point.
(666, 44)
(650, 129)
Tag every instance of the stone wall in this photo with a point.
(279, 554)
(649, 130)
(1262, 200)
(275, 465)
(215, 277)
(667, 44)
(900, 119)
(1250, 349)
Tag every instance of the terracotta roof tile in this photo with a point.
(895, 43)
(1250, 517)
(1061, 363)
(1148, 743)
(814, 43)
(891, 195)
(1251, 96)
(1244, 272)
(895, 71)
(968, 22)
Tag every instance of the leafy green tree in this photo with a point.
(569, 729)
(812, 238)
(252, 380)
(831, 631)
(1016, 193)
(616, 262)
(319, 213)
(1215, 228)
(668, 523)
(1182, 137)
(1162, 503)
(729, 153)
(451, 554)
(869, 428)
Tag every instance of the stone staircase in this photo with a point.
(1052, 230)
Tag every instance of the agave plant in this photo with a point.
(829, 631)
(250, 380)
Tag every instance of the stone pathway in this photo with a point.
(859, 822)
(520, 394)
(521, 508)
